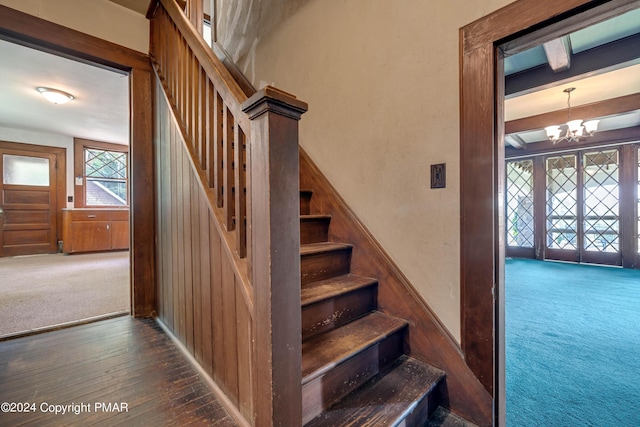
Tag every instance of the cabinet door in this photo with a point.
(89, 236)
(120, 235)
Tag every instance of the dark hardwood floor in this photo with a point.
(121, 371)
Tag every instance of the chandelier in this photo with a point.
(576, 129)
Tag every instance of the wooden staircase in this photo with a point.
(354, 367)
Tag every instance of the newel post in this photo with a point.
(274, 213)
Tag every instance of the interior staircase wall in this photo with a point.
(383, 85)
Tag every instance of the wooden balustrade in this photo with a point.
(228, 221)
(210, 112)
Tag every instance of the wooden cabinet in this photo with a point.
(93, 230)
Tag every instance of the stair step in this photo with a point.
(314, 228)
(324, 260)
(331, 303)
(337, 362)
(305, 202)
(443, 418)
(404, 394)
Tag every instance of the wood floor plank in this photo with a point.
(80, 359)
(121, 360)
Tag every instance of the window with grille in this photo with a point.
(519, 201)
(102, 174)
(106, 177)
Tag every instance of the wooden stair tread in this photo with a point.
(323, 247)
(387, 399)
(330, 288)
(325, 351)
(314, 217)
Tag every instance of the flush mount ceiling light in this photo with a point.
(54, 95)
(575, 128)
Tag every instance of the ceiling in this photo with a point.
(100, 110)
(601, 62)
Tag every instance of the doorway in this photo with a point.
(31, 189)
(568, 192)
(42, 288)
(31, 31)
(483, 168)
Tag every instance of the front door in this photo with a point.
(27, 202)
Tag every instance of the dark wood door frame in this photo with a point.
(482, 166)
(37, 33)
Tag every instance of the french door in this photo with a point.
(579, 206)
(583, 207)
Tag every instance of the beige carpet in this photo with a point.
(45, 290)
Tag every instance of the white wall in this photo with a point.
(98, 18)
(48, 140)
(382, 82)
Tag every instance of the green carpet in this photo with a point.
(573, 345)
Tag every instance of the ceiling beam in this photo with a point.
(622, 104)
(611, 56)
(610, 137)
(515, 141)
(558, 54)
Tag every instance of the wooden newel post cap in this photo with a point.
(270, 99)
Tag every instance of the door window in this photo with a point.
(562, 202)
(25, 170)
(601, 201)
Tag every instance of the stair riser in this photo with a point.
(423, 410)
(305, 202)
(325, 265)
(335, 312)
(314, 231)
(325, 390)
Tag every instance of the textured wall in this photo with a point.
(243, 24)
(381, 79)
(99, 18)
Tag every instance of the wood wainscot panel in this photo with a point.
(202, 299)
